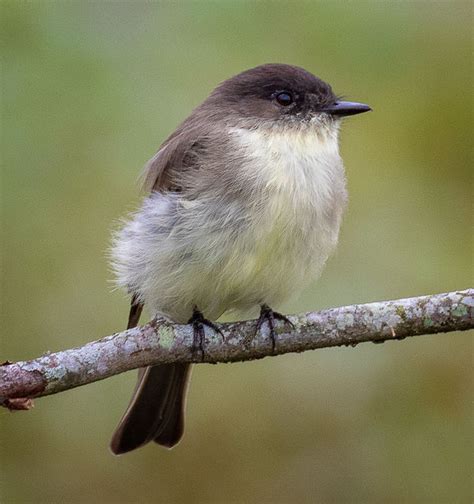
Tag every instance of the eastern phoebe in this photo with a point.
(246, 202)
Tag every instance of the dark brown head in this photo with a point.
(275, 92)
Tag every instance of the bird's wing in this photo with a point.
(162, 172)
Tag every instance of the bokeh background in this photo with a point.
(89, 91)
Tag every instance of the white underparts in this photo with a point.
(261, 248)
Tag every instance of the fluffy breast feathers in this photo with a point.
(262, 246)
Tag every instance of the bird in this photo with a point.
(243, 207)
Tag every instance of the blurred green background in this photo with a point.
(89, 91)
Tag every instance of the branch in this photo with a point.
(160, 342)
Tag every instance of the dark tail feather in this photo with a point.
(171, 430)
(136, 309)
(156, 410)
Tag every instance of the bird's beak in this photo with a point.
(345, 108)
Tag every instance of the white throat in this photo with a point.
(302, 164)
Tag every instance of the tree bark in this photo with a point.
(161, 342)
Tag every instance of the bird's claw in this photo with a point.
(199, 335)
(269, 316)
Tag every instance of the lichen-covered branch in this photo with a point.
(160, 342)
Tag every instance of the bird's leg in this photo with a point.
(198, 322)
(269, 316)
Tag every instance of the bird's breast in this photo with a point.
(297, 178)
(295, 210)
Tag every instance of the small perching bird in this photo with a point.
(245, 205)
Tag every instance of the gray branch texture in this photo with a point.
(160, 342)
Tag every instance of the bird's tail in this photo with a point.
(156, 410)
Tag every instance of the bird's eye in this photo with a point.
(284, 98)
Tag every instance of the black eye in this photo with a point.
(284, 98)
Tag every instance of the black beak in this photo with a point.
(345, 108)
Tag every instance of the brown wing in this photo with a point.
(162, 172)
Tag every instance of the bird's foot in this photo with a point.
(269, 316)
(198, 322)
